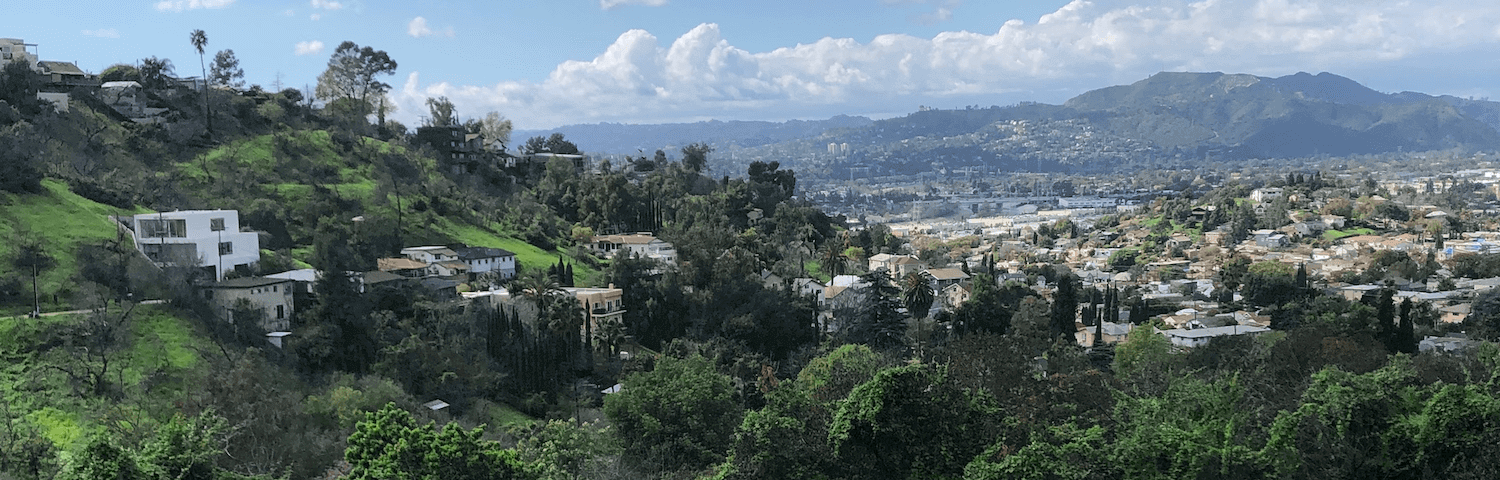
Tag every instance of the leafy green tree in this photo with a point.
(226, 71)
(440, 111)
(102, 458)
(20, 156)
(391, 445)
(1195, 429)
(562, 450)
(18, 87)
(186, 447)
(695, 157)
(1062, 452)
(680, 415)
(352, 75)
(910, 421)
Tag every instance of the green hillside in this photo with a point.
(59, 221)
(298, 172)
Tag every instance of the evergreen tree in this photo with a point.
(1385, 316)
(1406, 341)
(1065, 307)
(1301, 279)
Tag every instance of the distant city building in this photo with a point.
(210, 239)
(1087, 202)
(1267, 194)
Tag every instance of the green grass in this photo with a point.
(161, 341)
(60, 221)
(1337, 234)
(502, 417)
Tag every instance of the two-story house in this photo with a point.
(209, 239)
(485, 260)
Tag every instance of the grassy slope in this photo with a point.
(162, 350)
(61, 221)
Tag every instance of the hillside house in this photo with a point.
(430, 254)
(945, 277)
(486, 260)
(897, 265)
(402, 266)
(269, 299)
(641, 244)
(955, 295)
(208, 239)
(1262, 195)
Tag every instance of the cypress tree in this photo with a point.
(1406, 339)
(1064, 307)
(1385, 316)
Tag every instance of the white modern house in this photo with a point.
(210, 239)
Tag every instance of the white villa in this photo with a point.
(210, 239)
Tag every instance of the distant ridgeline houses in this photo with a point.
(59, 79)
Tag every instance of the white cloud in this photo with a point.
(610, 4)
(1082, 45)
(315, 17)
(102, 33)
(311, 47)
(180, 5)
(418, 28)
(327, 4)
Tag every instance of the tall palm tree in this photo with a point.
(917, 294)
(834, 261)
(200, 40)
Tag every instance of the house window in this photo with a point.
(280, 312)
(158, 228)
(226, 248)
(273, 288)
(216, 224)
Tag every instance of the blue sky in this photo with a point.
(544, 64)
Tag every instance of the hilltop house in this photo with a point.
(209, 239)
(486, 260)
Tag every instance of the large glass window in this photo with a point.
(226, 248)
(158, 228)
(216, 224)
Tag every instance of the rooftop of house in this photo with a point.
(435, 250)
(473, 253)
(398, 263)
(249, 282)
(628, 239)
(1213, 331)
(65, 68)
(941, 274)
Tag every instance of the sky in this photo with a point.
(546, 64)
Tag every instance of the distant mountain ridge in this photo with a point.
(1175, 116)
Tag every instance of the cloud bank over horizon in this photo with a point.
(640, 78)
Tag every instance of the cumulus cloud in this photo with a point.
(310, 47)
(610, 4)
(1084, 44)
(180, 5)
(418, 28)
(102, 33)
(326, 4)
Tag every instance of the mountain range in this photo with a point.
(1168, 115)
